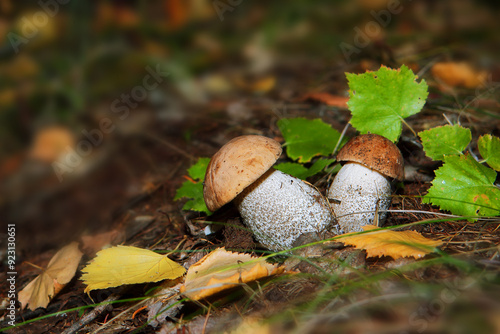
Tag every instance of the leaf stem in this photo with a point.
(409, 127)
(342, 135)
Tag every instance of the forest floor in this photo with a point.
(124, 195)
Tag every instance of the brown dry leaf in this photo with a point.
(165, 304)
(395, 244)
(327, 98)
(221, 270)
(459, 74)
(61, 269)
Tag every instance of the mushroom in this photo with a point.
(363, 185)
(277, 207)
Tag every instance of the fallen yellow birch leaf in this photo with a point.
(121, 265)
(395, 244)
(60, 270)
(221, 270)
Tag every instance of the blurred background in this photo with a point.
(103, 103)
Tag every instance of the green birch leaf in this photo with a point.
(302, 172)
(198, 170)
(489, 147)
(194, 190)
(445, 140)
(465, 187)
(305, 139)
(380, 101)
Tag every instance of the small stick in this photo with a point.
(206, 320)
(92, 315)
(341, 137)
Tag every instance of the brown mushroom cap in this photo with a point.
(375, 152)
(238, 164)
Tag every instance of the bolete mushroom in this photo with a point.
(277, 207)
(363, 184)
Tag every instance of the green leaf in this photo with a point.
(379, 101)
(302, 172)
(445, 140)
(465, 187)
(489, 147)
(306, 138)
(198, 170)
(194, 190)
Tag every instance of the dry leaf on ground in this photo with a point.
(221, 270)
(121, 265)
(395, 244)
(459, 74)
(328, 99)
(60, 270)
(51, 143)
(164, 305)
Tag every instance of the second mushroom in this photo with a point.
(277, 207)
(362, 187)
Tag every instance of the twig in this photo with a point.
(409, 127)
(112, 320)
(341, 137)
(92, 315)
(206, 320)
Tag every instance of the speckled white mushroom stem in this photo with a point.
(278, 208)
(359, 189)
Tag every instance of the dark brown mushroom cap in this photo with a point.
(238, 164)
(375, 152)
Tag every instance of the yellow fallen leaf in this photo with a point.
(221, 270)
(60, 270)
(395, 244)
(121, 265)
